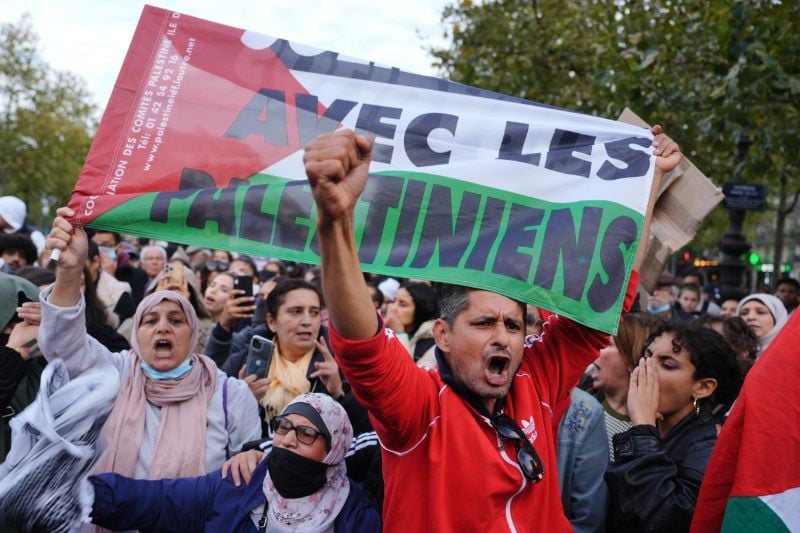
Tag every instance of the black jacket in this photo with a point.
(653, 483)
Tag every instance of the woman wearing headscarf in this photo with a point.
(765, 315)
(179, 278)
(176, 414)
(301, 486)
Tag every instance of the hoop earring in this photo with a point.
(696, 405)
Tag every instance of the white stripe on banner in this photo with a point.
(479, 133)
(787, 506)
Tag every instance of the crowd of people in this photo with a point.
(383, 403)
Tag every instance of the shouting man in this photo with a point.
(468, 446)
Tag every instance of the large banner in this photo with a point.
(202, 143)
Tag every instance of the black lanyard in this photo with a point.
(262, 524)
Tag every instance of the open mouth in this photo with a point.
(209, 301)
(163, 345)
(305, 335)
(497, 369)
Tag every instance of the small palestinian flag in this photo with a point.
(753, 479)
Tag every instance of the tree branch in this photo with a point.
(793, 204)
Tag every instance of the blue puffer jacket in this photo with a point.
(206, 503)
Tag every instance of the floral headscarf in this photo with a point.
(318, 511)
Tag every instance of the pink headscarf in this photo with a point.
(181, 440)
(318, 511)
(153, 300)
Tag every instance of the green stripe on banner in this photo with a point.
(572, 257)
(751, 514)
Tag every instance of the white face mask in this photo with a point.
(169, 374)
(110, 252)
(660, 309)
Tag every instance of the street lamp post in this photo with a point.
(733, 245)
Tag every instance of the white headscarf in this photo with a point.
(318, 511)
(776, 309)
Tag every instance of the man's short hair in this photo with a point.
(691, 287)
(36, 275)
(454, 300)
(375, 295)
(18, 242)
(114, 234)
(788, 281)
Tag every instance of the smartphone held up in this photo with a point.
(259, 356)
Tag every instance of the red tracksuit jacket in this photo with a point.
(444, 466)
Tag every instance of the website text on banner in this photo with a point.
(202, 143)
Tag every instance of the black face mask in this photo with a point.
(295, 476)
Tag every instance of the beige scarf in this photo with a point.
(287, 380)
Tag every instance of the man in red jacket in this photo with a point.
(469, 446)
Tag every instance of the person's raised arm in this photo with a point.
(668, 156)
(337, 165)
(74, 246)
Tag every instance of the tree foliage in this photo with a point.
(714, 72)
(46, 123)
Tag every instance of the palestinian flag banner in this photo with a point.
(202, 143)
(753, 479)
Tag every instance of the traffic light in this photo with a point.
(753, 258)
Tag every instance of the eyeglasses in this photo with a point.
(217, 266)
(305, 434)
(528, 459)
(533, 320)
